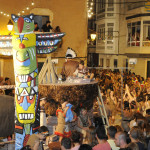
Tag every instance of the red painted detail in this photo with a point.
(36, 128)
(21, 46)
(20, 24)
(26, 138)
(22, 61)
(29, 78)
(18, 127)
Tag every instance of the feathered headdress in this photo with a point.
(70, 53)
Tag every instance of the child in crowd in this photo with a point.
(61, 127)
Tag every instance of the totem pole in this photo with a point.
(26, 45)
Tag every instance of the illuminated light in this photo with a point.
(23, 11)
(1, 12)
(8, 15)
(10, 25)
(89, 16)
(27, 8)
(32, 3)
(93, 36)
(18, 14)
(91, 13)
(91, 8)
(91, 4)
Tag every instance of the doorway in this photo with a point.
(148, 69)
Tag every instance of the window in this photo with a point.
(107, 62)
(101, 6)
(146, 33)
(135, 5)
(41, 20)
(101, 62)
(110, 3)
(134, 33)
(101, 34)
(110, 33)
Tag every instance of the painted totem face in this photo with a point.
(25, 66)
(23, 24)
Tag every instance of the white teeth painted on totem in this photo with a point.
(29, 116)
(20, 116)
(27, 78)
(23, 78)
(32, 115)
(26, 116)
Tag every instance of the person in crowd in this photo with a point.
(121, 140)
(91, 138)
(47, 27)
(85, 147)
(58, 30)
(84, 123)
(36, 28)
(137, 137)
(111, 131)
(70, 65)
(126, 116)
(76, 140)
(119, 128)
(102, 140)
(61, 127)
(66, 144)
(35, 140)
(133, 146)
(81, 71)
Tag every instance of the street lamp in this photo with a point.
(10, 26)
(93, 36)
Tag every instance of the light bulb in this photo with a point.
(1, 12)
(23, 11)
(4, 14)
(32, 3)
(27, 8)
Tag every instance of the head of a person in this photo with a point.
(83, 111)
(63, 102)
(85, 147)
(66, 144)
(120, 139)
(119, 128)
(126, 105)
(101, 133)
(47, 23)
(111, 131)
(43, 132)
(81, 64)
(7, 80)
(133, 146)
(136, 133)
(76, 137)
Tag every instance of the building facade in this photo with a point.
(123, 34)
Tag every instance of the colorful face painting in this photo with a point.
(26, 79)
(26, 45)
